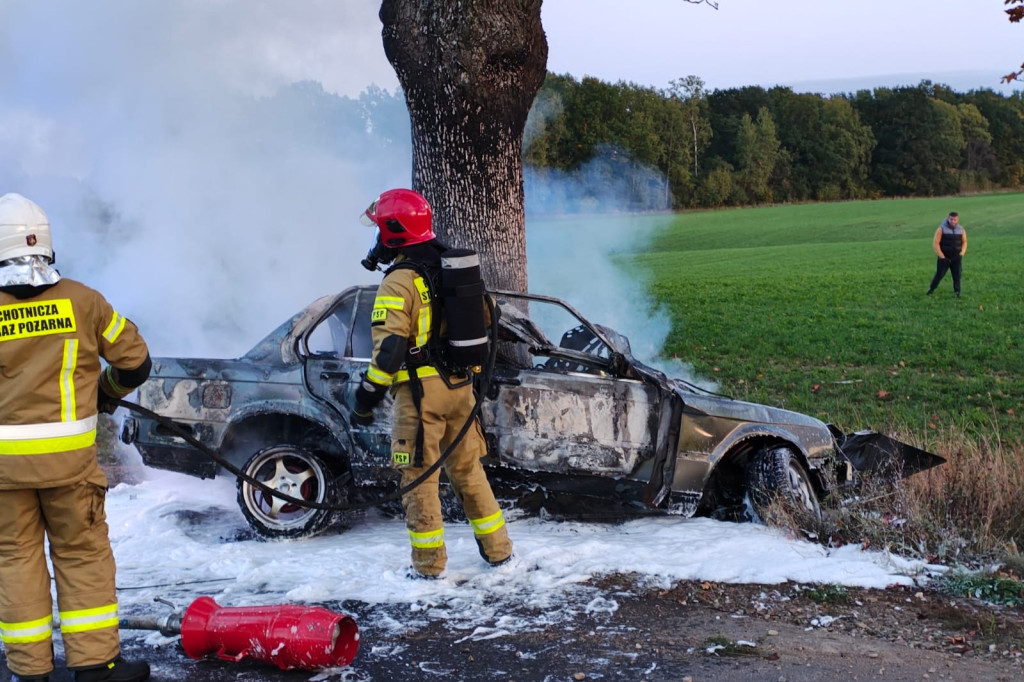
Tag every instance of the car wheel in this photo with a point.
(778, 482)
(294, 472)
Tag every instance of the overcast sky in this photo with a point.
(801, 43)
(819, 45)
(260, 45)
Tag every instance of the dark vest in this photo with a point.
(952, 241)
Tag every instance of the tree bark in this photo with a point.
(470, 71)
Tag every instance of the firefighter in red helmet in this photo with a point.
(430, 406)
(54, 332)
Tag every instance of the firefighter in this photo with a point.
(53, 332)
(430, 407)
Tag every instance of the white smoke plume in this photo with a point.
(184, 174)
(203, 163)
(581, 229)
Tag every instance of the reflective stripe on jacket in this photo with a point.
(50, 350)
(402, 307)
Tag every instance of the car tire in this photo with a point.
(293, 471)
(776, 476)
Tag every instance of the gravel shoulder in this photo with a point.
(693, 631)
(726, 632)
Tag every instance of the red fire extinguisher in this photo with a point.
(289, 636)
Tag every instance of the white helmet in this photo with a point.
(24, 229)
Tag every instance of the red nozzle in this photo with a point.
(304, 637)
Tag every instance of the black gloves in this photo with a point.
(368, 396)
(104, 403)
(360, 419)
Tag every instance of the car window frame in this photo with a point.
(540, 345)
(361, 294)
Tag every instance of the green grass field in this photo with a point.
(821, 308)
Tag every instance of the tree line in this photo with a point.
(752, 145)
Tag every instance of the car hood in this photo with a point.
(721, 406)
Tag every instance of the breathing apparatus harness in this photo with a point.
(456, 295)
(456, 289)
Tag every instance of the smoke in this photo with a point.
(187, 172)
(581, 229)
(203, 163)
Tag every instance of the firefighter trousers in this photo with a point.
(74, 520)
(442, 413)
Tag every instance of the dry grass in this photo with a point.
(968, 511)
(976, 497)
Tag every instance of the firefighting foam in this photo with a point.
(545, 586)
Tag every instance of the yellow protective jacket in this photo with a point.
(402, 308)
(50, 373)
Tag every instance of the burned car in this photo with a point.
(569, 416)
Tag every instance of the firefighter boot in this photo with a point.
(29, 678)
(117, 670)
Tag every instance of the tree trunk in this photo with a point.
(470, 71)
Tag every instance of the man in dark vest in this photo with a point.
(950, 245)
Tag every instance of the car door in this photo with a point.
(569, 408)
(337, 351)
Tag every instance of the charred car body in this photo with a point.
(565, 422)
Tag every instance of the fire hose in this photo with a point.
(238, 473)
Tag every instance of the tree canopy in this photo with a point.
(750, 145)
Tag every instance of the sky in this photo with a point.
(368, 562)
(810, 45)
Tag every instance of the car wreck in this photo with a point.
(569, 416)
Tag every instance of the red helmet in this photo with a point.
(403, 217)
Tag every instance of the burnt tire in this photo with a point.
(778, 482)
(293, 471)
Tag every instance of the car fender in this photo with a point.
(810, 446)
(328, 419)
(734, 447)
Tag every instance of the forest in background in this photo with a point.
(751, 145)
(592, 146)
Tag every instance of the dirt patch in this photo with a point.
(730, 632)
(694, 631)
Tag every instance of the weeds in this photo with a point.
(968, 511)
(827, 594)
(720, 645)
(976, 499)
(995, 588)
